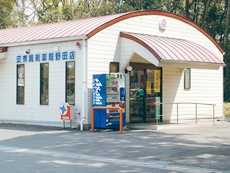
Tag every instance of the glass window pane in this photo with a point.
(44, 84)
(20, 83)
(187, 78)
(114, 67)
(70, 83)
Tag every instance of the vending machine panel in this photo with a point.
(109, 91)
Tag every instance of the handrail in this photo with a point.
(185, 103)
(158, 103)
(92, 116)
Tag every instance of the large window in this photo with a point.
(20, 83)
(44, 84)
(70, 83)
(187, 78)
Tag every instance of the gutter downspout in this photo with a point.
(84, 80)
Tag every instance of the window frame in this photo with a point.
(41, 87)
(189, 79)
(17, 85)
(117, 67)
(66, 81)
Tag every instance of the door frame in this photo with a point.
(143, 67)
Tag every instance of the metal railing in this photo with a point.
(92, 116)
(177, 110)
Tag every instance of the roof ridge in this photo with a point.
(156, 36)
(64, 21)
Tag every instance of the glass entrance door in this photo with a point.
(137, 96)
(153, 94)
(145, 91)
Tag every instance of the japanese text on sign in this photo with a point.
(157, 81)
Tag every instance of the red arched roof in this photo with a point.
(165, 48)
(140, 13)
(89, 27)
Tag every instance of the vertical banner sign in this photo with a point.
(157, 81)
(148, 87)
(99, 90)
(133, 77)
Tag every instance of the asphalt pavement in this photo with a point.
(199, 148)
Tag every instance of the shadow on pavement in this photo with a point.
(206, 147)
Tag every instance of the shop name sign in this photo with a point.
(57, 56)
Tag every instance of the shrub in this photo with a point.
(227, 109)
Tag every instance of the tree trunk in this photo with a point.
(35, 10)
(187, 9)
(71, 1)
(227, 23)
(204, 14)
(195, 12)
(23, 13)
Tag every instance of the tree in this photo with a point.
(6, 8)
(133, 5)
(227, 6)
(211, 15)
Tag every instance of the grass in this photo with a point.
(227, 109)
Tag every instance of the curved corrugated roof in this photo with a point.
(54, 30)
(164, 48)
(89, 27)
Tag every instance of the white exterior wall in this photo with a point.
(128, 47)
(106, 46)
(32, 110)
(206, 87)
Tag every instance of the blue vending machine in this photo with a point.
(109, 91)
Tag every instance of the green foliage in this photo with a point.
(6, 8)
(49, 12)
(227, 109)
(227, 75)
(133, 5)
